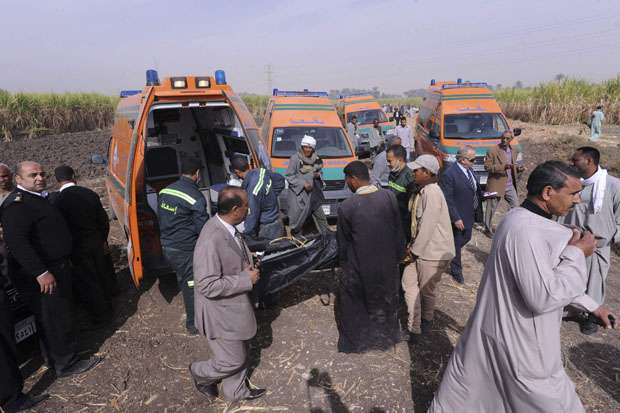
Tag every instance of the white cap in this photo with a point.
(308, 141)
(426, 161)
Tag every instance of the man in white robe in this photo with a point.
(509, 356)
(598, 212)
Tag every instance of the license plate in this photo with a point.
(326, 209)
(24, 329)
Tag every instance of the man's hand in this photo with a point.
(308, 186)
(254, 274)
(459, 225)
(507, 166)
(47, 283)
(585, 241)
(607, 319)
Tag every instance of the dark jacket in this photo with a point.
(36, 235)
(401, 183)
(82, 209)
(263, 188)
(459, 195)
(182, 212)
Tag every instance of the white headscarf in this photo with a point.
(599, 180)
(308, 141)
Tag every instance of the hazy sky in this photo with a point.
(397, 45)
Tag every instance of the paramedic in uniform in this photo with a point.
(182, 212)
(263, 188)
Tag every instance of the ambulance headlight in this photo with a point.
(202, 82)
(178, 82)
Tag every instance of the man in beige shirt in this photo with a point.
(432, 246)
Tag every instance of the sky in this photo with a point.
(397, 45)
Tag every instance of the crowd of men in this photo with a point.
(403, 227)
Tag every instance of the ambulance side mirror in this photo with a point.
(516, 131)
(98, 159)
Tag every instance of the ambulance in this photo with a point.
(367, 110)
(292, 114)
(198, 116)
(460, 113)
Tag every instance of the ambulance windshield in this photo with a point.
(474, 126)
(368, 116)
(330, 142)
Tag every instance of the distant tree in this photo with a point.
(414, 93)
(498, 86)
(518, 84)
(559, 77)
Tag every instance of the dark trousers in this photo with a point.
(272, 230)
(182, 263)
(11, 381)
(461, 238)
(92, 282)
(54, 317)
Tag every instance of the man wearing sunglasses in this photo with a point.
(463, 195)
(39, 244)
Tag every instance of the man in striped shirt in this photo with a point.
(182, 212)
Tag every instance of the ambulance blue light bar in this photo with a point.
(152, 78)
(304, 92)
(220, 77)
(464, 84)
(127, 93)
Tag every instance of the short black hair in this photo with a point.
(398, 151)
(239, 163)
(591, 153)
(403, 118)
(550, 173)
(189, 165)
(353, 117)
(64, 173)
(228, 198)
(358, 170)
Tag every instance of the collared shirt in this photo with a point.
(42, 194)
(67, 185)
(468, 173)
(229, 227)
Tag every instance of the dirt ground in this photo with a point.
(294, 353)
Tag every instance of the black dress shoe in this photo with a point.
(204, 386)
(192, 331)
(255, 393)
(458, 278)
(80, 366)
(24, 402)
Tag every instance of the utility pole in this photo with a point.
(269, 73)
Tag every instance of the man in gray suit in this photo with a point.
(223, 277)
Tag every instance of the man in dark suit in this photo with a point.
(223, 277)
(39, 244)
(89, 225)
(463, 195)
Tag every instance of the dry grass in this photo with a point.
(565, 102)
(39, 114)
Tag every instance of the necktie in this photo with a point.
(472, 182)
(241, 244)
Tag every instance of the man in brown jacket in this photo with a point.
(432, 246)
(223, 277)
(501, 164)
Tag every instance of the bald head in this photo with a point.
(232, 204)
(6, 178)
(31, 176)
